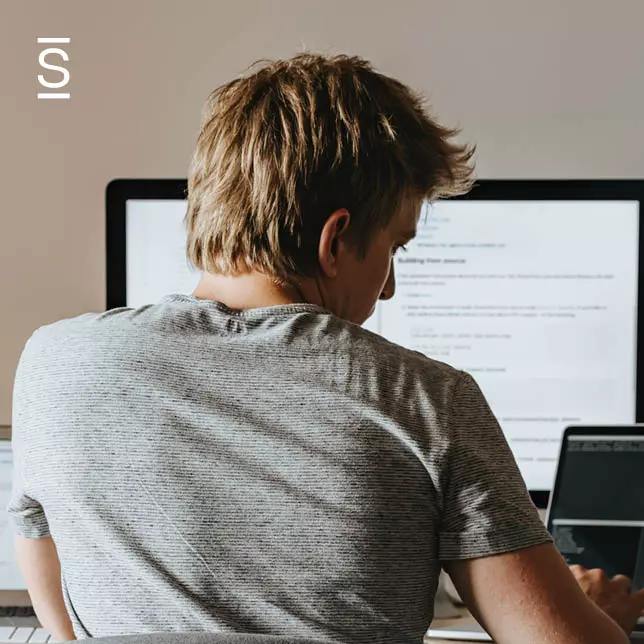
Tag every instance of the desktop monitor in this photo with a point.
(531, 286)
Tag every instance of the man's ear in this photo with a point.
(334, 228)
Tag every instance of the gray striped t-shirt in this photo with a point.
(277, 470)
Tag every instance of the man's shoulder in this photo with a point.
(117, 329)
(391, 356)
(74, 326)
(79, 331)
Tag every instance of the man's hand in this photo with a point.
(613, 596)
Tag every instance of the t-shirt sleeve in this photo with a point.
(26, 514)
(487, 509)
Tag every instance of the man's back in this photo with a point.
(276, 470)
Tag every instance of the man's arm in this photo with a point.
(40, 567)
(530, 596)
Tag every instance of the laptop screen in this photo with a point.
(596, 514)
(10, 576)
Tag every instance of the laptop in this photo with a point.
(595, 512)
(596, 509)
(18, 622)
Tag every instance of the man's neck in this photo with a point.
(248, 291)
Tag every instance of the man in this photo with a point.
(248, 458)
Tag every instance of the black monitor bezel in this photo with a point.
(117, 193)
(120, 190)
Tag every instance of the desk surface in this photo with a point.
(464, 619)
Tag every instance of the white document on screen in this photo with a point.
(156, 262)
(10, 576)
(538, 301)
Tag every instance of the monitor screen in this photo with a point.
(537, 299)
(156, 261)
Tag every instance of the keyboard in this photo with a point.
(23, 635)
(19, 625)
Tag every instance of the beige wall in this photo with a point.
(553, 88)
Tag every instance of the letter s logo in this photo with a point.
(43, 63)
(50, 51)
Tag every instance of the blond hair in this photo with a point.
(285, 146)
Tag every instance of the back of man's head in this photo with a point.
(285, 146)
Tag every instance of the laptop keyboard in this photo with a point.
(19, 625)
(23, 634)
